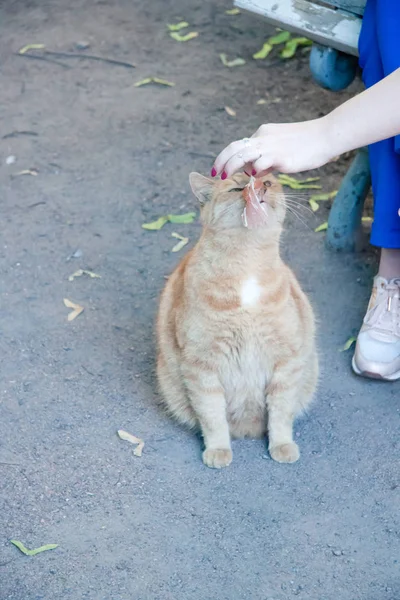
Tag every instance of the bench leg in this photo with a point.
(345, 215)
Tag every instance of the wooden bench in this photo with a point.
(334, 27)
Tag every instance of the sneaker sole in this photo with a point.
(369, 375)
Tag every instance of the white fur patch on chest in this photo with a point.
(251, 292)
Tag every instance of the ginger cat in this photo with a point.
(236, 349)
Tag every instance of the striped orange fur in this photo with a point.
(236, 349)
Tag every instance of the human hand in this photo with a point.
(287, 147)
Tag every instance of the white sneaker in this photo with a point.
(377, 352)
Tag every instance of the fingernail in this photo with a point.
(213, 172)
(254, 172)
(224, 175)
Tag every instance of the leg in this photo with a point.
(377, 352)
(282, 405)
(208, 402)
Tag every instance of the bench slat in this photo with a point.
(323, 25)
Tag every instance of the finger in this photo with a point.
(248, 167)
(225, 155)
(262, 165)
(237, 162)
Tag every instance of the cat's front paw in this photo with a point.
(217, 458)
(286, 453)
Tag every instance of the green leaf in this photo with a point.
(279, 38)
(322, 197)
(236, 62)
(313, 204)
(298, 184)
(25, 550)
(367, 219)
(322, 227)
(264, 52)
(291, 46)
(25, 49)
(185, 218)
(184, 38)
(157, 80)
(156, 225)
(177, 26)
(232, 11)
(163, 82)
(348, 344)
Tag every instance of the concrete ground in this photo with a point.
(110, 156)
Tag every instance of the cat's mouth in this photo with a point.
(255, 213)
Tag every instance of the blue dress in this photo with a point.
(379, 49)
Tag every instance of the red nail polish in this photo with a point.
(224, 175)
(213, 172)
(254, 172)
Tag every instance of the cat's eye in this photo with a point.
(236, 190)
(267, 183)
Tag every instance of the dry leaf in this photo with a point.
(81, 272)
(177, 26)
(32, 172)
(181, 244)
(264, 52)
(184, 38)
(31, 47)
(77, 309)
(25, 550)
(322, 227)
(156, 80)
(230, 111)
(232, 11)
(236, 62)
(128, 437)
(367, 219)
(348, 344)
(262, 101)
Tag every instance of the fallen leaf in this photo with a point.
(298, 184)
(177, 26)
(184, 38)
(25, 550)
(279, 38)
(181, 244)
(32, 172)
(367, 219)
(291, 46)
(348, 344)
(128, 437)
(77, 309)
(322, 227)
(322, 197)
(313, 204)
(31, 47)
(264, 52)
(81, 272)
(230, 111)
(156, 225)
(262, 101)
(236, 62)
(157, 80)
(232, 11)
(185, 218)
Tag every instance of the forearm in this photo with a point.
(371, 116)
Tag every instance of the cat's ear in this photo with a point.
(201, 187)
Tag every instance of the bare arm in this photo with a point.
(369, 117)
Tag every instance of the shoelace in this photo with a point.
(385, 315)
